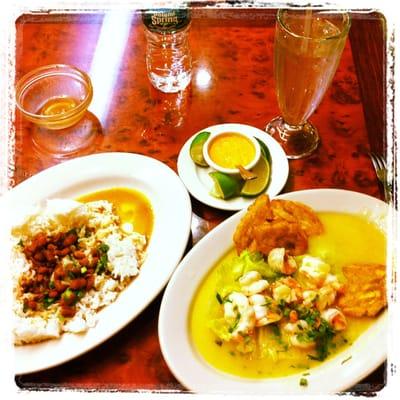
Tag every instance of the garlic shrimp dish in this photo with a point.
(297, 288)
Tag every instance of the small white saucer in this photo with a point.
(199, 183)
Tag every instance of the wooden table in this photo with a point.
(232, 82)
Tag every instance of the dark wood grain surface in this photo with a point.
(368, 43)
(235, 50)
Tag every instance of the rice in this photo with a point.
(69, 258)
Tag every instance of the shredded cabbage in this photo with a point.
(238, 266)
(228, 282)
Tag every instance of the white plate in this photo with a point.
(172, 217)
(199, 183)
(368, 352)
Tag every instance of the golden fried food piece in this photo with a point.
(279, 233)
(257, 213)
(364, 291)
(277, 223)
(301, 214)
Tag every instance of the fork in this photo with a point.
(379, 164)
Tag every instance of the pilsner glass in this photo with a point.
(308, 47)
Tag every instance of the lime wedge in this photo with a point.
(196, 148)
(225, 186)
(256, 186)
(264, 150)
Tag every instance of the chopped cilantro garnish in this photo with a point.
(303, 382)
(275, 330)
(102, 264)
(103, 248)
(71, 275)
(286, 312)
(48, 301)
(235, 324)
(346, 359)
(322, 336)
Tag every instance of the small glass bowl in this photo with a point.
(63, 87)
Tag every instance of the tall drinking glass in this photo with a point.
(308, 47)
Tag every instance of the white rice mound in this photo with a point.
(125, 256)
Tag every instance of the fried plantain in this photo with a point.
(257, 213)
(277, 223)
(364, 291)
(301, 214)
(278, 233)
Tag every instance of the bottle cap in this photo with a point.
(166, 20)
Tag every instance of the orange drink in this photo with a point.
(308, 47)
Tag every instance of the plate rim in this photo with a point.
(379, 326)
(186, 172)
(175, 255)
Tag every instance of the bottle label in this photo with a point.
(166, 20)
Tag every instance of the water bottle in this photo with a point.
(168, 59)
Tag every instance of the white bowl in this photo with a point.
(331, 376)
(243, 130)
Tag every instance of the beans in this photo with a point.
(39, 256)
(59, 273)
(44, 270)
(78, 283)
(36, 288)
(32, 304)
(90, 282)
(63, 252)
(29, 249)
(36, 263)
(95, 260)
(38, 297)
(71, 238)
(60, 286)
(53, 293)
(84, 262)
(78, 254)
(68, 297)
(25, 284)
(67, 311)
(56, 281)
(40, 239)
(50, 255)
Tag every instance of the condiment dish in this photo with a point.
(226, 149)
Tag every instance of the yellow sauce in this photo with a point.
(347, 238)
(231, 149)
(131, 206)
(58, 105)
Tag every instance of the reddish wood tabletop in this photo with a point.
(232, 82)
